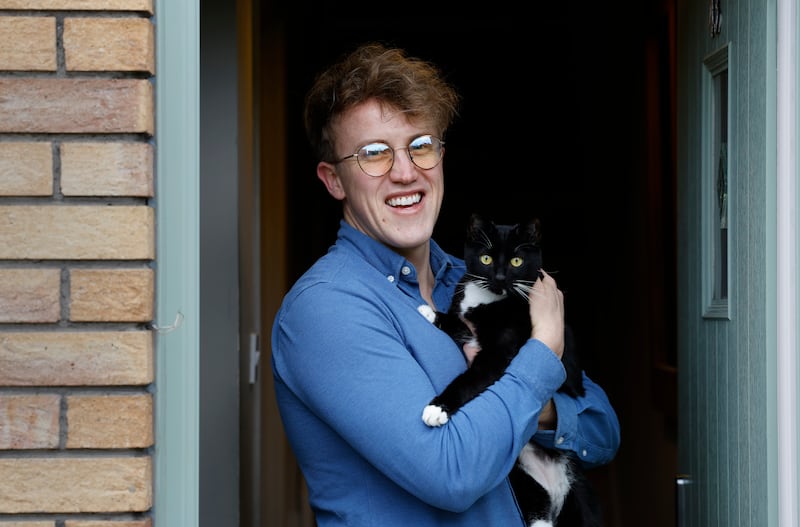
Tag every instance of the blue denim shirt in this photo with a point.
(354, 364)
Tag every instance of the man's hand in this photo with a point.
(548, 416)
(547, 313)
(471, 348)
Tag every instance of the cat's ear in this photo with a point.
(477, 223)
(326, 172)
(480, 230)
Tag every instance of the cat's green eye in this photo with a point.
(516, 261)
(486, 259)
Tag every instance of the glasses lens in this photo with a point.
(425, 151)
(375, 159)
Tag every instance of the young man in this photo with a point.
(355, 363)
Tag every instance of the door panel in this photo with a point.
(723, 363)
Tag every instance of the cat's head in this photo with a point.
(503, 258)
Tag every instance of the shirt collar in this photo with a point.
(388, 262)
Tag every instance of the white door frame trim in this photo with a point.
(787, 247)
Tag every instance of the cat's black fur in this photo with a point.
(500, 318)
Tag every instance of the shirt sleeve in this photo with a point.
(347, 360)
(587, 426)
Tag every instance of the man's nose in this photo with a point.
(403, 170)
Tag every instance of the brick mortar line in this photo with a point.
(63, 424)
(73, 74)
(42, 263)
(55, 150)
(61, 60)
(41, 517)
(77, 516)
(21, 137)
(70, 390)
(82, 327)
(64, 297)
(77, 264)
(67, 325)
(83, 13)
(76, 453)
(58, 327)
(65, 201)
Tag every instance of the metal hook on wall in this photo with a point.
(172, 327)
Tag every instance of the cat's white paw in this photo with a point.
(433, 415)
(427, 311)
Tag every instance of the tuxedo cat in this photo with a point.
(502, 264)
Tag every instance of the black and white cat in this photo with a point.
(502, 264)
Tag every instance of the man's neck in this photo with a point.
(425, 276)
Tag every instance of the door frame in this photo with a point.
(788, 315)
(177, 334)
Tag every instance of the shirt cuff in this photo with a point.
(565, 436)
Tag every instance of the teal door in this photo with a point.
(726, 364)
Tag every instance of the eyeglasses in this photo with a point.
(377, 159)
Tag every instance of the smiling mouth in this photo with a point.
(405, 201)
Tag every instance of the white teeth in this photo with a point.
(405, 201)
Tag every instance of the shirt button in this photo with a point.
(390, 278)
(560, 440)
(583, 452)
(406, 270)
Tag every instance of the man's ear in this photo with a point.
(327, 174)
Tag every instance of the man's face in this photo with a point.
(399, 208)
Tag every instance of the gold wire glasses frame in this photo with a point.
(377, 159)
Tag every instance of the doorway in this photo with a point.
(585, 95)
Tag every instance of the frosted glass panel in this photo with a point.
(716, 185)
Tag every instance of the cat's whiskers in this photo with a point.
(462, 286)
(479, 281)
(522, 289)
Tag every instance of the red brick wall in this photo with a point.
(77, 246)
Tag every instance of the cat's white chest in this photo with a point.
(475, 296)
(552, 474)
